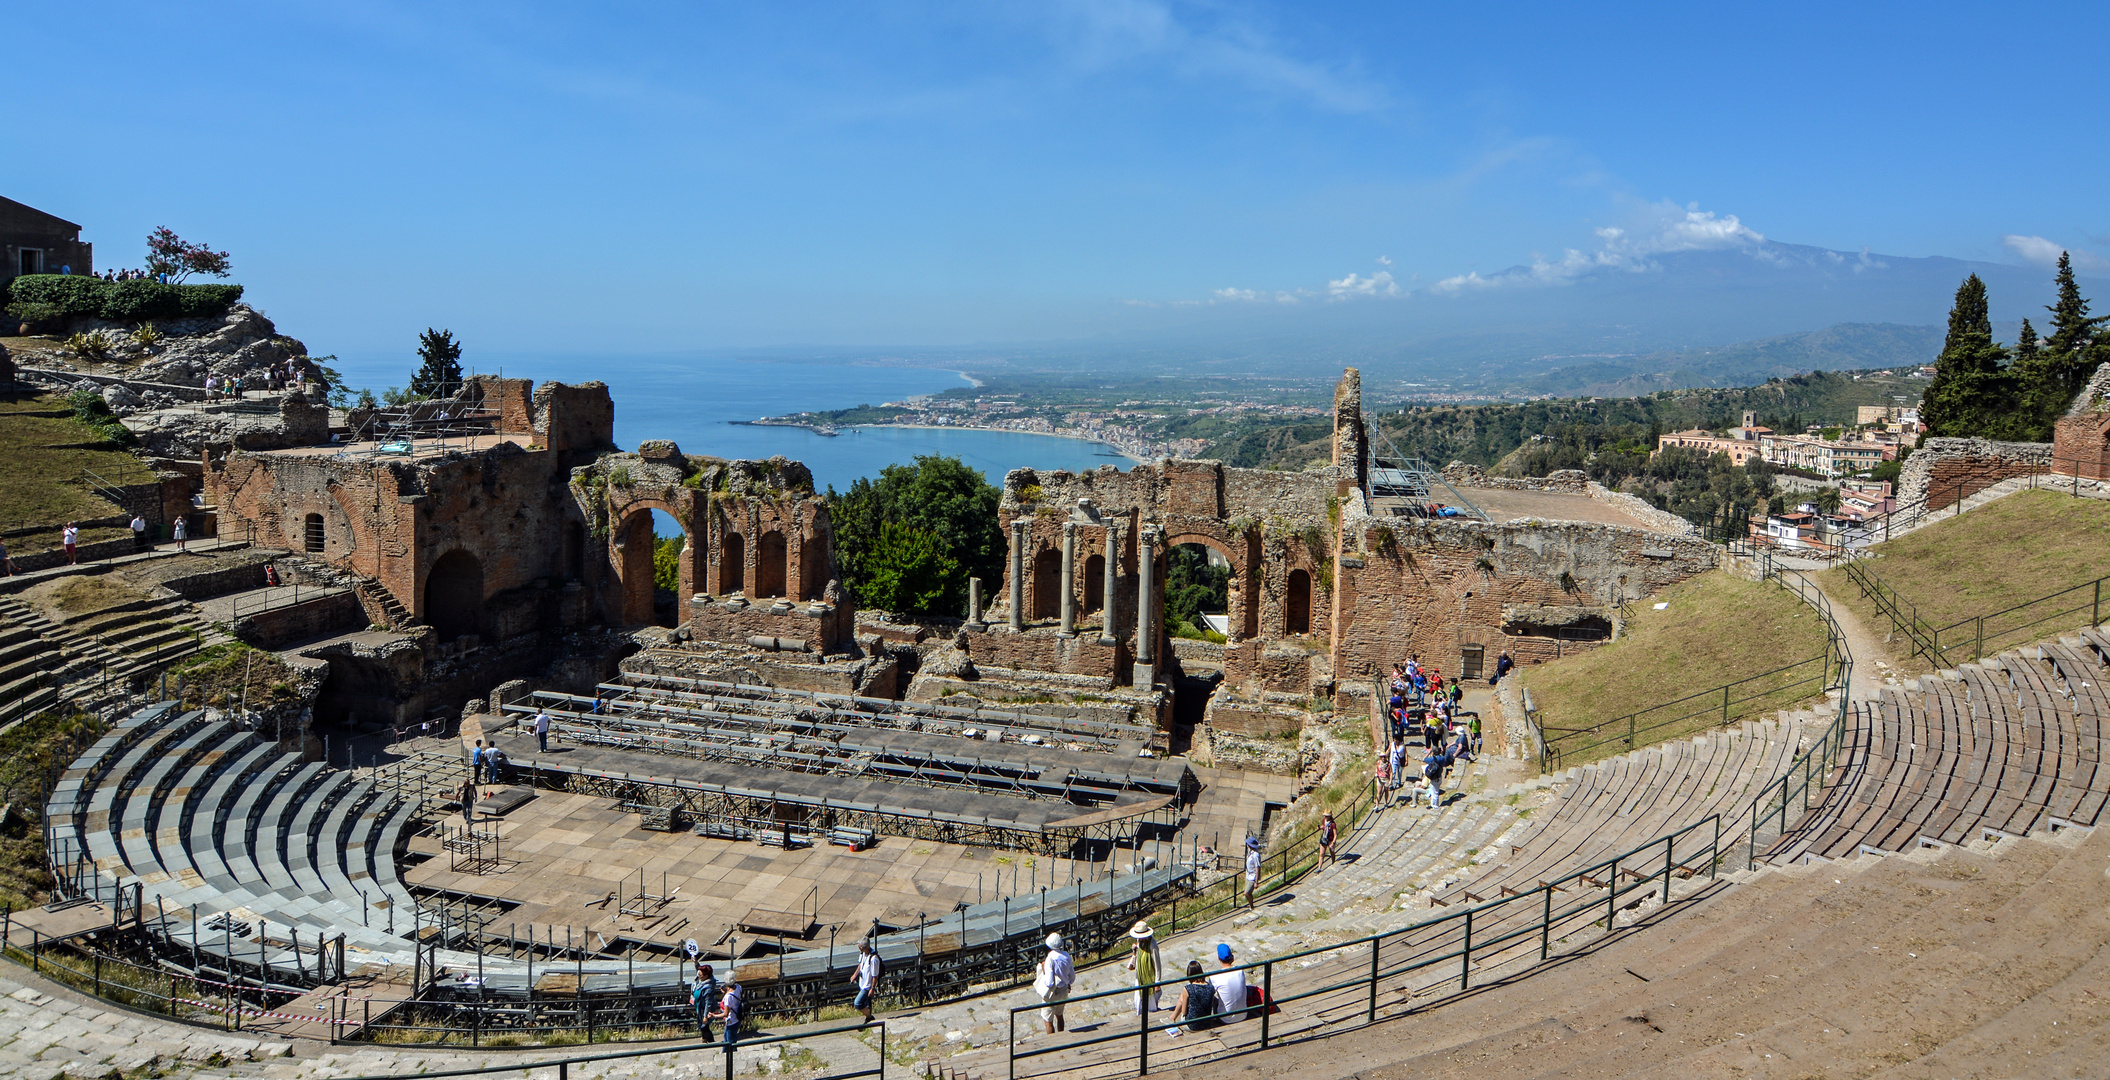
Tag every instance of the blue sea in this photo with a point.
(700, 404)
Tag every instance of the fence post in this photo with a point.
(1143, 1029)
(1465, 967)
(1546, 923)
(1267, 993)
(1670, 844)
(1373, 979)
(1611, 899)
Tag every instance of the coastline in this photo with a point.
(1007, 431)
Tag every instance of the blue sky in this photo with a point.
(647, 177)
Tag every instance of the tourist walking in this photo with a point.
(704, 994)
(70, 536)
(1432, 768)
(468, 797)
(139, 532)
(476, 763)
(1144, 961)
(1328, 833)
(542, 732)
(7, 565)
(1252, 868)
(181, 533)
(728, 1011)
(867, 978)
(1052, 980)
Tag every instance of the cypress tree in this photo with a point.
(1968, 395)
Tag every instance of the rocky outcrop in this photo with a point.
(242, 343)
(183, 433)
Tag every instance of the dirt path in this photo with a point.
(1874, 665)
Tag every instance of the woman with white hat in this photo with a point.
(1143, 960)
(1052, 980)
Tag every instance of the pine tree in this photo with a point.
(441, 372)
(2026, 350)
(2071, 328)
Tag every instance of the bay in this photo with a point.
(702, 404)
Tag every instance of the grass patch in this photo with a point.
(1719, 628)
(45, 449)
(218, 675)
(30, 752)
(2012, 550)
(77, 595)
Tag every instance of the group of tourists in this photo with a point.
(1424, 706)
(131, 275)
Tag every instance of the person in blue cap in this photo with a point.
(1229, 983)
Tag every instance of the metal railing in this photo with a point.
(2011, 625)
(1720, 705)
(176, 995)
(1810, 771)
(1521, 928)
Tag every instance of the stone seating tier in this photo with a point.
(2004, 746)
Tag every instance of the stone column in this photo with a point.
(974, 603)
(1018, 573)
(1146, 670)
(1069, 579)
(1113, 573)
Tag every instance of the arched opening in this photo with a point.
(1047, 585)
(454, 595)
(1297, 606)
(670, 544)
(633, 563)
(732, 564)
(770, 558)
(311, 534)
(1197, 592)
(1094, 583)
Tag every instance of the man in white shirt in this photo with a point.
(1052, 981)
(139, 532)
(542, 732)
(867, 978)
(1229, 985)
(1252, 868)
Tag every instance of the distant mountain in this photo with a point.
(1615, 323)
(1847, 346)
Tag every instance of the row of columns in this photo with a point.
(1146, 559)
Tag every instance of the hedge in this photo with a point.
(122, 301)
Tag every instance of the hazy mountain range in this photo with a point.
(1614, 322)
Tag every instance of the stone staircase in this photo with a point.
(94, 659)
(372, 596)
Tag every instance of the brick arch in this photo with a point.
(1243, 604)
(630, 554)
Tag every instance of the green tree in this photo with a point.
(1969, 391)
(441, 370)
(666, 562)
(937, 495)
(1194, 588)
(908, 569)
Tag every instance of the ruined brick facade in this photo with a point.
(2081, 441)
(1945, 469)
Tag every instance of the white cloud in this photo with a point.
(2033, 249)
(1105, 33)
(2037, 251)
(1378, 284)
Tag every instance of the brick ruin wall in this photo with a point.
(1434, 588)
(1945, 469)
(1271, 527)
(2081, 441)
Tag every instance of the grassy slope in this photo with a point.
(44, 456)
(1718, 629)
(2015, 549)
